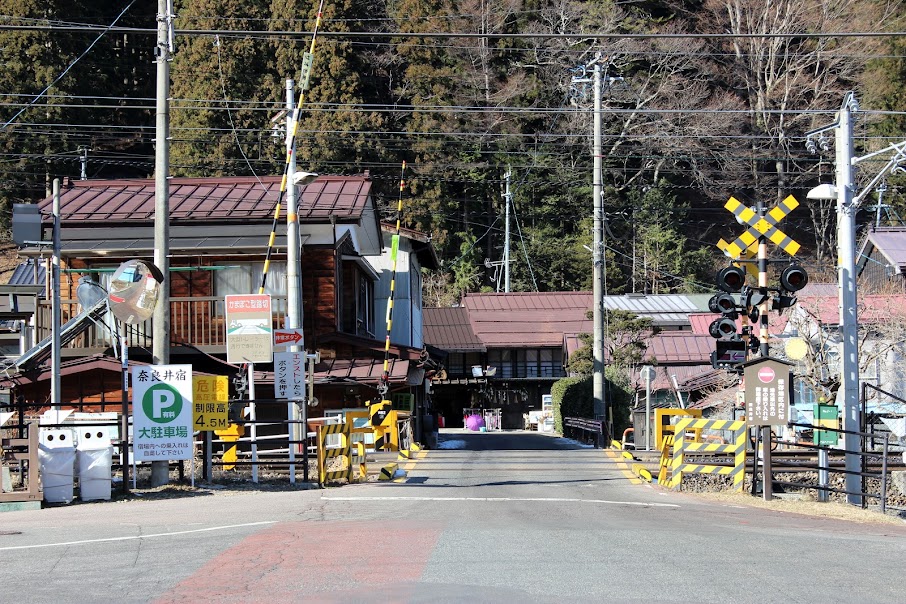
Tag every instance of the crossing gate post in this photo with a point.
(737, 447)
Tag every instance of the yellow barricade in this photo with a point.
(344, 451)
(737, 447)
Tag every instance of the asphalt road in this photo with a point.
(511, 517)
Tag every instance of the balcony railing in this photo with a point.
(196, 321)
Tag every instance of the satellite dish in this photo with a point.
(134, 290)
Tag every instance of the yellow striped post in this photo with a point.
(737, 447)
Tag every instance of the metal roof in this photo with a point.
(890, 243)
(528, 319)
(449, 329)
(25, 273)
(212, 199)
(664, 309)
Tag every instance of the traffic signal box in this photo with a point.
(736, 300)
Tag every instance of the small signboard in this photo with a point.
(826, 416)
(289, 375)
(162, 412)
(210, 402)
(292, 337)
(249, 332)
(768, 392)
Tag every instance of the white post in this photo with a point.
(253, 417)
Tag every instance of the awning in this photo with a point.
(367, 371)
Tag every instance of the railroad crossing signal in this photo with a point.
(747, 243)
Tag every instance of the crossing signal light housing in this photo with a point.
(793, 278)
(731, 279)
(723, 329)
(723, 304)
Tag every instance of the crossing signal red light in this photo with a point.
(723, 304)
(731, 279)
(723, 328)
(793, 278)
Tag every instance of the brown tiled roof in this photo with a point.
(528, 319)
(209, 199)
(449, 329)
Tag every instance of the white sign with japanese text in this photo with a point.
(162, 412)
(289, 375)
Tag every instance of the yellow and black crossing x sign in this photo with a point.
(746, 244)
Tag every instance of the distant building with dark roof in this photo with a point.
(881, 261)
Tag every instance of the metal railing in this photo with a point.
(587, 430)
(826, 468)
(197, 320)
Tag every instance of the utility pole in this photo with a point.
(846, 271)
(847, 206)
(507, 197)
(161, 318)
(600, 405)
(298, 433)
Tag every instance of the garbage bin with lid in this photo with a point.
(95, 459)
(56, 455)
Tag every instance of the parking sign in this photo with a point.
(162, 412)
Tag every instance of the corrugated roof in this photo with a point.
(449, 329)
(209, 199)
(25, 273)
(890, 242)
(670, 347)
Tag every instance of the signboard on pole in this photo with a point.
(162, 412)
(768, 388)
(249, 330)
(210, 402)
(289, 375)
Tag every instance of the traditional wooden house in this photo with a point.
(507, 350)
(219, 232)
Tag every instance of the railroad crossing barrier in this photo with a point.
(343, 450)
(737, 447)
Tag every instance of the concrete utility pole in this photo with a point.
(161, 318)
(507, 197)
(846, 270)
(294, 308)
(56, 320)
(847, 206)
(600, 405)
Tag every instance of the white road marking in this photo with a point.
(501, 499)
(132, 537)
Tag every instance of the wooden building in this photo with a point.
(219, 233)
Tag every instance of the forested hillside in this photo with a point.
(699, 104)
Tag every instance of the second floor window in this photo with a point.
(357, 301)
(245, 278)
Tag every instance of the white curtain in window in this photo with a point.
(245, 278)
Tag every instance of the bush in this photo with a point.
(575, 397)
(572, 397)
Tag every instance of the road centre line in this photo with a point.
(505, 499)
(132, 537)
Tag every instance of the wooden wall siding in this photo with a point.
(319, 293)
(196, 314)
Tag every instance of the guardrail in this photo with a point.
(825, 468)
(588, 430)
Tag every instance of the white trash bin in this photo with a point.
(95, 458)
(56, 455)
